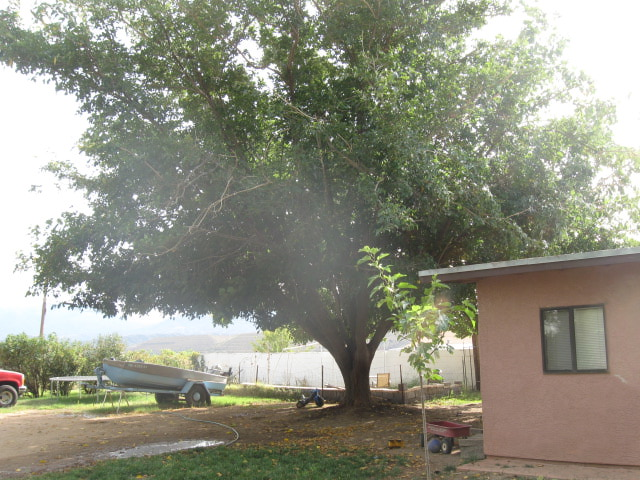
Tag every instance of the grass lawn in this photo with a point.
(241, 463)
(144, 402)
(286, 462)
(316, 460)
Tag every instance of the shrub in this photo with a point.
(43, 358)
(187, 359)
(105, 346)
(40, 359)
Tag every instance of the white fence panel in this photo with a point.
(312, 369)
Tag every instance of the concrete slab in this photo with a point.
(550, 470)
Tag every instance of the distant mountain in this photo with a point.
(132, 340)
(87, 325)
(241, 343)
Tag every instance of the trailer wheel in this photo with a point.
(166, 399)
(447, 445)
(8, 396)
(198, 396)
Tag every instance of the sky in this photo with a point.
(38, 125)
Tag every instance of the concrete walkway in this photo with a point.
(548, 470)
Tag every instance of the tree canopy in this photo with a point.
(242, 152)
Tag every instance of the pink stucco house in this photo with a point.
(559, 342)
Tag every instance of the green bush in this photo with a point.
(105, 346)
(263, 391)
(40, 359)
(188, 359)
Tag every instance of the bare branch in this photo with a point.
(212, 209)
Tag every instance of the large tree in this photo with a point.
(242, 152)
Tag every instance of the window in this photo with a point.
(573, 339)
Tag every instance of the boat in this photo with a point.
(150, 376)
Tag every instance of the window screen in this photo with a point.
(574, 339)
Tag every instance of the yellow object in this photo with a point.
(382, 380)
(396, 443)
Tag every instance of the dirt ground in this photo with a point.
(42, 441)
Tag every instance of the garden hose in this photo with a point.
(235, 432)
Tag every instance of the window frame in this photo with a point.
(574, 357)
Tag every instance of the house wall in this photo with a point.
(584, 417)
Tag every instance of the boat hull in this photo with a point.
(141, 375)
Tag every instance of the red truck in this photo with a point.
(11, 387)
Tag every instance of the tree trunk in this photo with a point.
(476, 359)
(351, 342)
(43, 313)
(355, 373)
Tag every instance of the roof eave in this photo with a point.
(471, 273)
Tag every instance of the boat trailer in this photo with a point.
(197, 393)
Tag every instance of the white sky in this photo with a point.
(38, 125)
